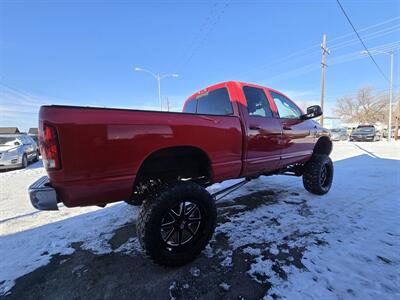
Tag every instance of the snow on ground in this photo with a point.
(349, 238)
(23, 251)
(359, 221)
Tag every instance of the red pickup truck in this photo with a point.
(165, 160)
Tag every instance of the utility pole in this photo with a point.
(167, 103)
(323, 65)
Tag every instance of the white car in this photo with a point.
(17, 150)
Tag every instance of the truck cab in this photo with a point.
(275, 132)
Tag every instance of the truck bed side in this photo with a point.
(102, 149)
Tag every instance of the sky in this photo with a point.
(84, 52)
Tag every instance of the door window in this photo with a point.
(257, 102)
(286, 108)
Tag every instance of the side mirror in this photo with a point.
(312, 112)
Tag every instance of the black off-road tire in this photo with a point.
(318, 174)
(154, 211)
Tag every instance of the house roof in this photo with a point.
(33, 131)
(9, 130)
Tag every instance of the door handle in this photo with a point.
(287, 128)
(255, 127)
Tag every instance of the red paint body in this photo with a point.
(101, 150)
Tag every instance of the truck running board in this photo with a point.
(226, 191)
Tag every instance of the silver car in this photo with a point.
(339, 134)
(17, 150)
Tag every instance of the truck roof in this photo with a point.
(240, 83)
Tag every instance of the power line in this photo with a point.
(362, 42)
(204, 31)
(365, 28)
(372, 35)
(31, 98)
(351, 93)
(313, 51)
(192, 45)
(28, 97)
(387, 47)
(308, 68)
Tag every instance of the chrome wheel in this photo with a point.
(180, 224)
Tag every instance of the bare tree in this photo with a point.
(366, 107)
(345, 108)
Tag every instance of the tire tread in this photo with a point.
(311, 174)
(152, 204)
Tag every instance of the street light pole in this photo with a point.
(158, 77)
(159, 90)
(390, 96)
(391, 53)
(397, 119)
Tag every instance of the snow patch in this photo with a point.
(195, 271)
(225, 286)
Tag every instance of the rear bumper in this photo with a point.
(42, 195)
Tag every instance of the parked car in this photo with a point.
(35, 138)
(165, 160)
(365, 133)
(33, 133)
(393, 131)
(339, 134)
(17, 150)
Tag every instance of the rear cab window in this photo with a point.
(214, 102)
(190, 106)
(257, 102)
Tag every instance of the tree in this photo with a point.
(366, 107)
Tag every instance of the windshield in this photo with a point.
(335, 130)
(365, 129)
(7, 140)
(35, 138)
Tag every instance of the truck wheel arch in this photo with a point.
(323, 146)
(169, 163)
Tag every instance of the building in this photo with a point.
(9, 130)
(33, 131)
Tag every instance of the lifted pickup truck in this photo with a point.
(165, 160)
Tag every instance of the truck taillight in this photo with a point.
(50, 151)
